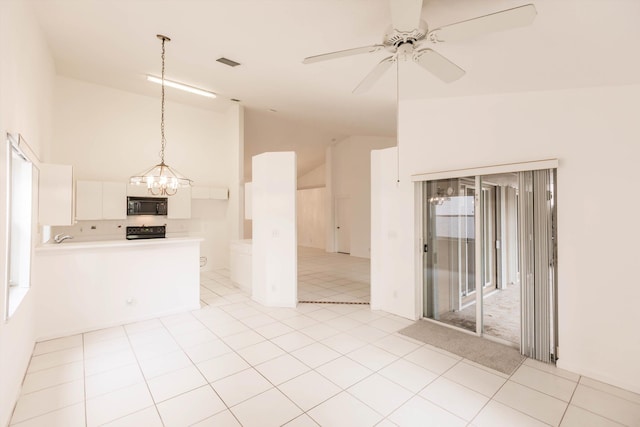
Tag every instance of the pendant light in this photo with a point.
(161, 180)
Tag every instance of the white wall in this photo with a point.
(248, 211)
(594, 135)
(108, 134)
(26, 93)
(311, 208)
(390, 232)
(350, 169)
(313, 179)
(234, 141)
(274, 247)
(266, 131)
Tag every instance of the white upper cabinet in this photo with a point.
(139, 190)
(199, 192)
(55, 195)
(179, 205)
(216, 193)
(88, 200)
(101, 200)
(114, 200)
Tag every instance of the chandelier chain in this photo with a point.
(163, 141)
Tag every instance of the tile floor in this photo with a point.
(236, 363)
(324, 276)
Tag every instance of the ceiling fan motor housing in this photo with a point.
(394, 38)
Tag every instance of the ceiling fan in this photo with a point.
(408, 34)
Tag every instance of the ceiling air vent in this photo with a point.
(227, 61)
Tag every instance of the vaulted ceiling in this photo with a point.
(572, 43)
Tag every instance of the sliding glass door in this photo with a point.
(450, 252)
(489, 257)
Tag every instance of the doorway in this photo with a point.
(482, 233)
(326, 277)
(343, 225)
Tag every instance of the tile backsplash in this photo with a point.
(116, 229)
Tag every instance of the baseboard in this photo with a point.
(633, 387)
(104, 325)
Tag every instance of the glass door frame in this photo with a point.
(479, 254)
(429, 250)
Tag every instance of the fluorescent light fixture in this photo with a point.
(181, 86)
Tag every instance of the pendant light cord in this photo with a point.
(163, 142)
(397, 121)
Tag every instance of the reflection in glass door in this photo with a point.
(481, 309)
(468, 285)
(489, 236)
(450, 256)
(501, 294)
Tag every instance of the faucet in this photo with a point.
(59, 238)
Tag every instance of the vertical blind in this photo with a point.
(536, 217)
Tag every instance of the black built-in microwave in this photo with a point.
(146, 205)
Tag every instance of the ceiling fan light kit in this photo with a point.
(408, 34)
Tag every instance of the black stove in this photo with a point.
(146, 232)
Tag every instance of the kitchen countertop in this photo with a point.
(120, 243)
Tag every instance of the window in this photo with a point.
(21, 184)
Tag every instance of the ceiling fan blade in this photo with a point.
(438, 65)
(374, 75)
(504, 20)
(405, 14)
(343, 53)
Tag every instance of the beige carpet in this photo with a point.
(496, 356)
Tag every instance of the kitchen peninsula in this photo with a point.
(96, 284)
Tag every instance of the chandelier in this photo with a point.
(440, 196)
(161, 180)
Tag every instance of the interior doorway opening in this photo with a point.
(343, 225)
(328, 277)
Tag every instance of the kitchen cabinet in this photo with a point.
(97, 200)
(240, 264)
(114, 200)
(55, 194)
(179, 205)
(199, 192)
(146, 279)
(88, 200)
(138, 190)
(215, 193)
